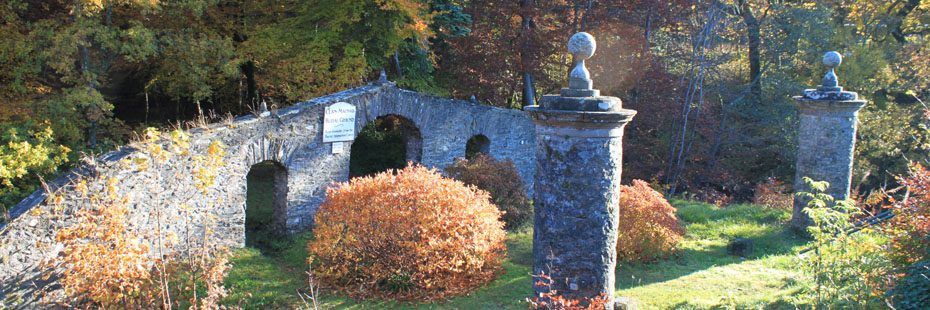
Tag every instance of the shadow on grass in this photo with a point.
(709, 229)
(269, 280)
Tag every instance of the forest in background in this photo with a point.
(712, 79)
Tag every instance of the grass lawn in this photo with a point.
(701, 276)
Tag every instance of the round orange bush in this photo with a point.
(410, 234)
(648, 228)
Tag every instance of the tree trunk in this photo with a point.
(400, 71)
(251, 92)
(529, 91)
(526, 53)
(90, 110)
(754, 35)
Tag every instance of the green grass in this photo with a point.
(701, 276)
(259, 281)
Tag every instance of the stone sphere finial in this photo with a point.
(832, 60)
(581, 45)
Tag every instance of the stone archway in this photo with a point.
(477, 144)
(266, 204)
(388, 142)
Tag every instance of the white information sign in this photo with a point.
(339, 122)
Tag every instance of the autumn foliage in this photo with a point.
(104, 262)
(108, 262)
(648, 229)
(553, 300)
(773, 194)
(501, 180)
(910, 227)
(407, 234)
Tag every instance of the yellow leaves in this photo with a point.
(180, 142)
(36, 152)
(103, 260)
(112, 188)
(207, 166)
(108, 261)
(81, 188)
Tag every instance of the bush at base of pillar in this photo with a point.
(648, 228)
(501, 180)
(411, 234)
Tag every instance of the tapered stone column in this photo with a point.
(826, 138)
(579, 148)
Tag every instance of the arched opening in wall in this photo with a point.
(477, 144)
(266, 205)
(389, 142)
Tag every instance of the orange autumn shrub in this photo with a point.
(103, 261)
(407, 234)
(501, 180)
(109, 261)
(648, 228)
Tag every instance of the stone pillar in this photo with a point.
(826, 138)
(578, 163)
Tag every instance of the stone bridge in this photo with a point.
(290, 137)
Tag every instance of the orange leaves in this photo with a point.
(104, 262)
(773, 194)
(555, 301)
(648, 227)
(110, 259)
(409, 235)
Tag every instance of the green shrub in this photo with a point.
(913, 291)
(501, 180)
(849, 269)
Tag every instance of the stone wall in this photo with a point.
(291, 137)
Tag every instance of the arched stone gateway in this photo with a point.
(292, 138)
(477, 144)
(388, 142)
(266, 204)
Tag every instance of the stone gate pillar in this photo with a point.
(826, 138)
(578, 163)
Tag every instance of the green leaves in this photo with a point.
(847, 268)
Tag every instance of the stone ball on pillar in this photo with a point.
(582, 46)
(831, 82)
(832, 59)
